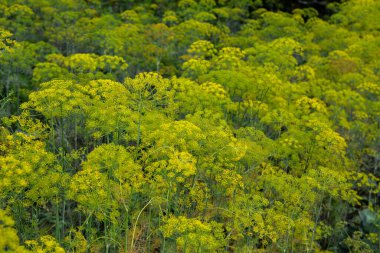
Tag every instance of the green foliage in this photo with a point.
(189, 126)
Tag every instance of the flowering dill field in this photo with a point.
(189, 126)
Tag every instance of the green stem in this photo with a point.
(139, 125)
(135, 225)
(57, 227)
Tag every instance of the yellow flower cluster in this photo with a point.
(229, 58)
(9, 241)
(270, 226)
(331, 141)
(77, 241)
(255, 107)
(14, 174)
(111, 63)
(304, 73)
(45, 244)
(89, 189)
(182, 163)
(287, 46)
(332, 182)
(187, 4)
(202, 49)
(316, 125)
(197, 196)
(81, 62)
(181, 135)
(130, 16)
(367, 181)
(196, 67)
(5, 41)
(290, 142)
(18, 10)
(109, 109)
(229, 180)
(89, 63)
(361, 115)
(57, 98)
(115, 162)
(27, 169)
(80, 67)
(215, 89)
(309, 105)
(235, 150)
(170, 17)
(108, 175)
(193, 235)
(368, 87)
(148, 86)
(168, 174)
